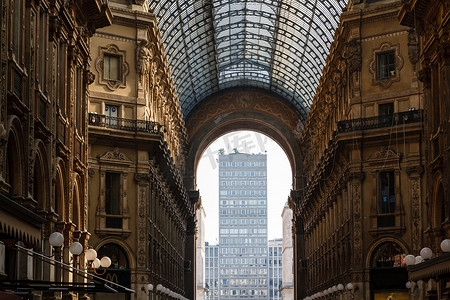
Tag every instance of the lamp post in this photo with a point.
(56, 239)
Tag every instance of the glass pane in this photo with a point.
(112, 193)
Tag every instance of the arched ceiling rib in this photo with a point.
(278, 45)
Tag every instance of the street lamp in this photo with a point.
(56, 239)
(95, 263)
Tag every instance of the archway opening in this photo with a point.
(388, 274)
(244, 179)
(119, 271)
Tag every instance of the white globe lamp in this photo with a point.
(419, 259)
(426, 253)
(76, 248)
(56, 239)
(105, 262)
(350, 286)
(91, 254)
(96, 263)
(410, 260)
(148, 287)
(445, 245)
(340, 287)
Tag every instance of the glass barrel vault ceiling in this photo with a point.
(278, 45)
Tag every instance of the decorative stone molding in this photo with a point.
(413, 46)
(144, 56)
(414, 171)
(357, 225)
(353, 54)
(112, 49)
(142, 229)
(373, 67)
(416, 213)
(114, 157)
(385, 155)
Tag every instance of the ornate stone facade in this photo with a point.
(431, 21)
(137, 137)
(362, 137)
(44, 69)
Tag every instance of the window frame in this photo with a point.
(374, 67)
(390, 66)
(113, 162)
(123, 69)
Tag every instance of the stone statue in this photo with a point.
(144, 56)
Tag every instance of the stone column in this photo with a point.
(357, 232)
(415, 195)
(300, 263)
(189, 267)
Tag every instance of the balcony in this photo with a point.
(407, 117)
(125, 124)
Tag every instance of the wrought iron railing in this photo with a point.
(407, 117)
(125, 124)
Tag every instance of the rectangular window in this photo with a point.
(78, 101)
(112, 189)
(62, 78)
(111, 113)
(42, 50)
(387, 193)
(112, 200)
(17, 29)
(386, 109)
(111, 65)
(386, 199)
(386, 64)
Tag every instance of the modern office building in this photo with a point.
(212, 271)
(275, 248)
(287, 286)
(243, 226)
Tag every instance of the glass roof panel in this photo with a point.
(279, 45)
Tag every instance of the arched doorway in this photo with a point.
(118, 272)
(388, 274)
(248, 109)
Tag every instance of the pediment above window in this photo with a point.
(383, 156)
(115, 157)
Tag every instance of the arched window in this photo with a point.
(440, 206)
(388, 254)
(388, 269)
(119, 271)
(13, 168)
(118, 257)
(40, 192)
(76, 206)
(59, 192)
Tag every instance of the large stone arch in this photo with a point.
(243, 109)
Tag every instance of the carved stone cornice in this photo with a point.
(414, 171)
(359, 176)
(142, 178)
(385, 155)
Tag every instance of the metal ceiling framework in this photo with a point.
(277, 45)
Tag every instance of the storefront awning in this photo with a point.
(19, 222)
(8, 296)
